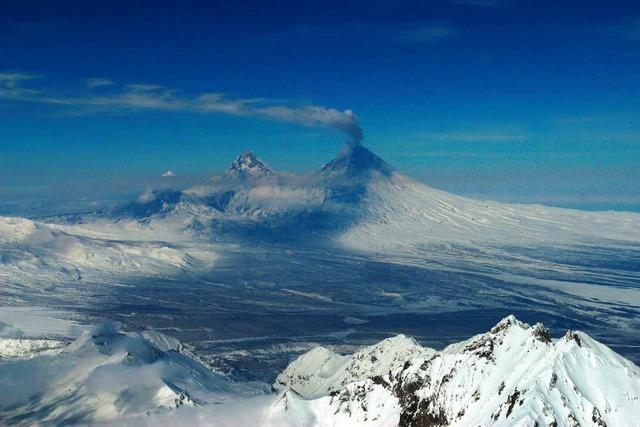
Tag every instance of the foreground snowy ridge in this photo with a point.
(515, 374)
(105, 376)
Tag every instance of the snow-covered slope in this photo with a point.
(106, 375)
(400, 212)
(393, 211)
(362, 202)
(31, 250)
(515, 374)
(26, 348)
(251, 192)
(321, 372)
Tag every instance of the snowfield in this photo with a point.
(515, 374)
(217, 288)
(26, 348)
(106, 375)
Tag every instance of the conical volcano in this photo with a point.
(355, 162)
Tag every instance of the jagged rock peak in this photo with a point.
(248, 164)
(515, 374)
(508, 321)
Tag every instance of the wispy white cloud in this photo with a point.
(141, 87)
(123, 99)
(430, 33)
(11, 85)
(12, 78)
(476, 136)
(97, 82)
(220, 103)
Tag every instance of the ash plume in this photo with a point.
(313, 116)
(130, 98)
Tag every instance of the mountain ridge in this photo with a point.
(515, 374)
(361, 202)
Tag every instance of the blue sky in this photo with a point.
(506, 99)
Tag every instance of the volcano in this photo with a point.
(362, 202)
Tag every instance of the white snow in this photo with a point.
(513, 375)
(321, 371)
(401, 213)
(25, 348)
(105, 375)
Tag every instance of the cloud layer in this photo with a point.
(125, 99)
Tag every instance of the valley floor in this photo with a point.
(262, 305)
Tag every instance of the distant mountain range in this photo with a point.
(357, 196)
(357, 202)
(355, 205)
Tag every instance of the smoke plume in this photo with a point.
(101, 96)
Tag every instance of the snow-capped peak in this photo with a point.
(321, 371)
(515, 374)
(248, 164)
(354, 162)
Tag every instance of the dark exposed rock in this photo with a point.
(417, 412)
(183, 397)
(554, 380)
(572, 421)
(381, 381)
(511, 401)
(542, 333)
(573, 336)
(504, 324)
(422, 415)
(597, 418)
(482, 348)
